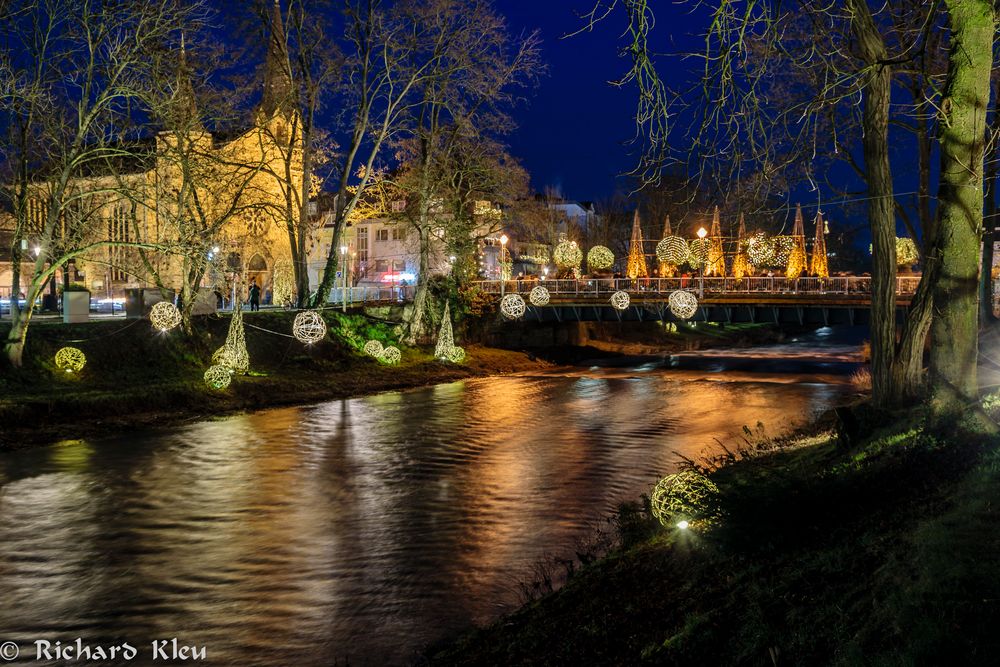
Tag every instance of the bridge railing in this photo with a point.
(372, 293)
(905, 285)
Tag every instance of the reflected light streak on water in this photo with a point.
(360, 529)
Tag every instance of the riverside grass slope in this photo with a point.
(884, 553)
(136, 375)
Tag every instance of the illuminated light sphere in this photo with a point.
(164, 316)
(760, 250)
(700, 252)
(684, 497)
(70, 359)
(512, 306)
(539, 296)
(456, 355)
(673, 250)
(567, 255)
(391, 355)
(308, 327)
(783, 246)
(907, 253)
(599, 258)
(683, 304)
(373, 348)
(218, 377)
(620, 300)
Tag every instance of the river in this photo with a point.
(363, 530)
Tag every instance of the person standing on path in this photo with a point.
(254, 296)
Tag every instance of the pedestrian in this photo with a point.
(254, 296)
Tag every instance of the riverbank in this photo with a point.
(881, 552)
(136, 376)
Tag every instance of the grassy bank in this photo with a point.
(135, 375)
(883, 553)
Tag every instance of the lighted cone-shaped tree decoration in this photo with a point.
(446, 339)
(636, 267)
(819, 266)
(667, 269)
(233, 355)
(797, 258)
(741, 263)
(716, 264)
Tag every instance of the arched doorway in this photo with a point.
(257, 271)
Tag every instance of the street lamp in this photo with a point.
(503, 254)
(343, 271)
(702, 233)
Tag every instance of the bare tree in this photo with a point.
(476, 71)
(81, 67)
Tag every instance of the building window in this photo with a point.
(398, 234)
(398, 206)
(362, 244)
(382, 234)
(119, 231)
(381, 266)
(256, 221)
(398, 265)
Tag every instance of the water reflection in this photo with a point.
(360, 529)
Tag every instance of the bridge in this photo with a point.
(819, 301)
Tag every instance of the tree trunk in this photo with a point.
(986, 315)
(955, 329)
(417, 327)
(875, 123)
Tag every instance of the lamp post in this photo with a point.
(702, 233)
(343, 271)
(503, 255)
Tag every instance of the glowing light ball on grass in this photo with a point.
(164, 316)
(599, 258)
(373, 348)
(456, 355)
(687, 497)
(673, 250)
(683, 304)
(391, 355)
(512, 306)
(567, 255)
(218, 377)
(308, 327)
(70, 359)
(620, 300)
(539, 296)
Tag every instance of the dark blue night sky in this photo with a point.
(573, 133)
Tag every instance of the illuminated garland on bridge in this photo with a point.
(620, 300)
(539, 296)
(683, 304)
(512, 306)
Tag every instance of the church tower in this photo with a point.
(279, 92)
